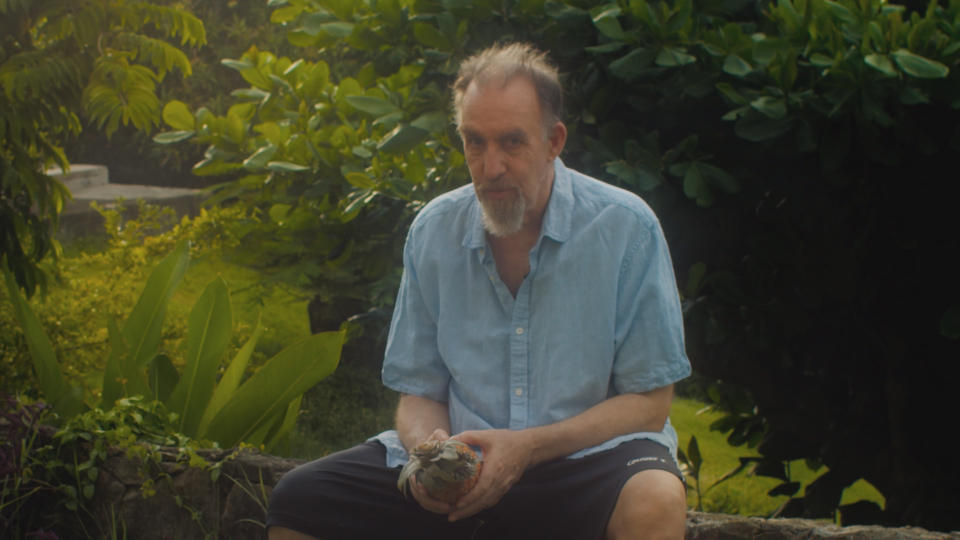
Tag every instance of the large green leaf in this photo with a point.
(402, 139)
(919, 66)
(178, 116)
(428, 35)
(112, 376)
(605, 19)
(881, 63)
(163, 377)
(754, 126)
(208, 335)
(259, 159)
(633, 64)
(434, 121)
(279, 436)
(141, 332)
(674, 56)
(268, 392)
(231, 379)
(695, 186)
(61, 396)
(735, 65)
(772, 107)
(372, 105)
(170, 137)
(286, 166)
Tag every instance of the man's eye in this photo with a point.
(512, 142)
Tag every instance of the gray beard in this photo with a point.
(503, 218)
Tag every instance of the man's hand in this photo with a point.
(506, 455)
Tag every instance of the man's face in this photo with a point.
(509, 152)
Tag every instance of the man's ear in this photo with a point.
(557, 139)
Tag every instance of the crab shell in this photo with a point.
(446, 469)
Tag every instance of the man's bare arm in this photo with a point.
(419, 418)
(619, 415)
(507, 454)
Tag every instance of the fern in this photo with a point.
(9, 6)
(120, 92)
(156, 52)
(33, 74)
(83, 20)
(58, 58)
(171, 21)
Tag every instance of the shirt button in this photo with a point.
(518, 392)
(519, 330)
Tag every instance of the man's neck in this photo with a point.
(512, 254)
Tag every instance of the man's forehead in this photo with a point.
(500, 82)
(508, 105)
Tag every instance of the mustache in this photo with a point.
(498, 184)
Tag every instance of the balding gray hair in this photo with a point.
(501, 63)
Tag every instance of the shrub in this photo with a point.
(794, 149)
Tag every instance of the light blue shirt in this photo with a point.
(598, 314)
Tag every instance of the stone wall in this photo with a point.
(188, 505)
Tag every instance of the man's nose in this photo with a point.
(494, 162)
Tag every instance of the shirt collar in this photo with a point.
(556, 220)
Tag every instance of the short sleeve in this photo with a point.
(649, 348)
(412, 363)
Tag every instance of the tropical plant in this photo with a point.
(260, 410)
(794, 150)
(333, 156)
(60, 61)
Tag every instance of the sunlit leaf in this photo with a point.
(428, 35)
(372, 105)
(269, 391)
(54, 386)
(736, 66)
(258, 160)
(178, 116)
(230, 380)
(210, 326)
(286, 166)
(770, 106)
(605, 19)
(674, 56)
(402, 139)
(919, 66)
(881, 63)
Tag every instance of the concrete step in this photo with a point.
(91, 183)
(81, 176)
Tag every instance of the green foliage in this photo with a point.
(794, 150)
(60, 61)
(357, 134)
(49, 476)
(100, 278)
(258, 411)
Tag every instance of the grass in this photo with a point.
(744, 494)
(351, 405)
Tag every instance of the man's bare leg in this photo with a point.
(652, 506)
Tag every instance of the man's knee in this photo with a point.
(652, 504)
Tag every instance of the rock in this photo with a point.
(703, 526)
(189, 504)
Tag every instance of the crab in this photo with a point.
(447, 469)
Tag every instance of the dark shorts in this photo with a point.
(352, 494)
